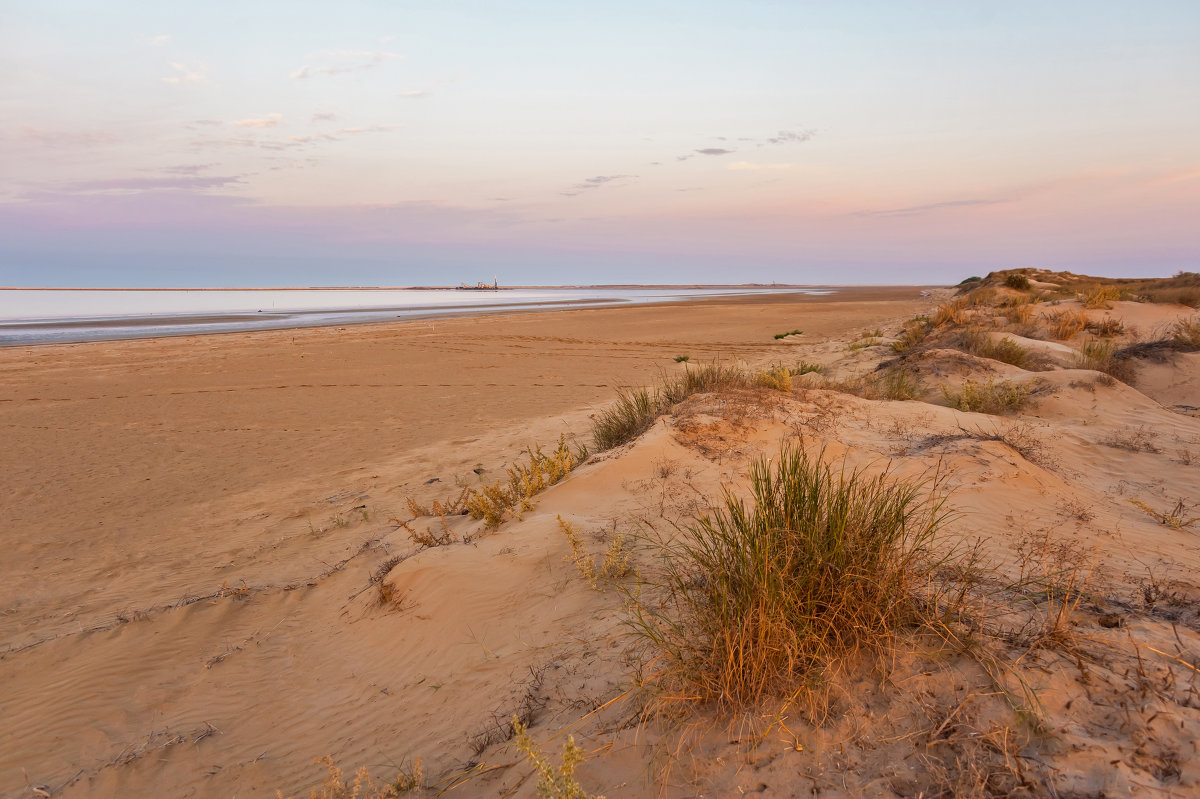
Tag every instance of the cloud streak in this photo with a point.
(269, 121)
(594, 183)
(339, 62)
(916, 210)
(184, 75)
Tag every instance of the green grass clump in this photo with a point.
(915, 331)
(704, 379)
(804, 368)
(789, 333)
(758, 599)
(994, 397)
(630, 415)
(682, 358)
(899, 383)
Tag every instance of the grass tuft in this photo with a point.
(788, 333)
(614, 565)
(1066, 324)
(759, 599)
(362, 786)
(993, 397)
(627, 418)
(778, 378)
(1017, 281)
(682, 358)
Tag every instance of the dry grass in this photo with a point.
(758, 601)
(613, 565)
(553, 783)
(1065, 325)
(993, 397)
(952, 313)
(335, 786)
(1177, 518)
(514, 494)
(1101, 297)
(1103, 356)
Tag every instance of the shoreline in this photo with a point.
(42, 331)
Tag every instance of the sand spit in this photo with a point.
(209, 584)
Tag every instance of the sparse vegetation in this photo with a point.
(899, 383)
(804, 368)
(1140, 439)
(630, 415)
(1016, 280)
(778, 378)
(1177, 518)
(1064, 325)
(682, 358)
(757, 600)
(613, 565)
(788, 333)
(335, 786)
(553, 783)
(1101, 297)
(1102, 356)
(513, 495)
(993, 397)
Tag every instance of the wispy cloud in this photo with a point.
(594, 183)
(790, 137)
(128, 186)
(714, 151)
(750, 166)
(184, 75)
(56, 139)
(185, 169)
(338, 62)
(161, 40)
(326, 117)
(269, 121)
(928, 208)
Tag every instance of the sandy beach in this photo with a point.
(191, 522)
(224, 559)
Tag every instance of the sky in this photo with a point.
(385, 142)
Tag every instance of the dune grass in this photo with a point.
(758, 599)
(779, 336)
(993, 397)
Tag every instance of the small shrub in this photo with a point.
(757, 600)
(682, 358)
(1017, 281)
(703, 379)
(862, 344)
(614, 564)
(804, 368)
(788, 333)
(778, 378)
(495, 503)
(993, 397)
(1140, 439)
(971, 279)
(553, 783)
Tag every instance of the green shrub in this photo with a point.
(1017, 281)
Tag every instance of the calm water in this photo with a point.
(31, 316)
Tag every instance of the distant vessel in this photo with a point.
(480, 286)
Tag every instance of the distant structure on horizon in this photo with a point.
(480, 286)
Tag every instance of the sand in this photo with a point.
(187, 519)
(204, 590)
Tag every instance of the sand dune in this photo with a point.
(207, 589)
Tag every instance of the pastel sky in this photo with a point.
(383, 142)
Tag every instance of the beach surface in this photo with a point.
(192, 525)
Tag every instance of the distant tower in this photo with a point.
(496, 282)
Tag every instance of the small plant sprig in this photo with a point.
(553, 783)
(779, 336)
(1176, 518)
(614, 565)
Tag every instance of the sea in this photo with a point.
(61, 316)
